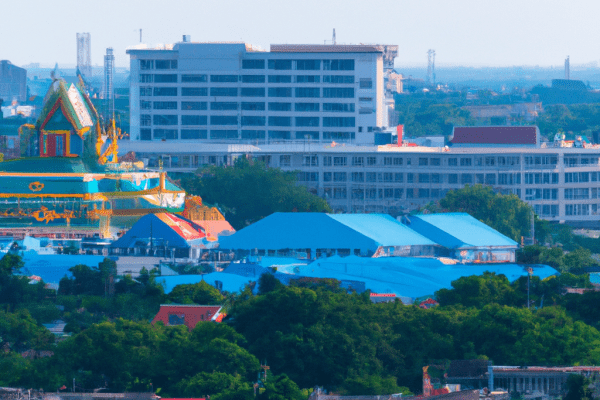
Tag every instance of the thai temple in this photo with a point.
(69, 180)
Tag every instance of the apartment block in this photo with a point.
(237, 93)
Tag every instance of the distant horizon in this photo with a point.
(462, 32)
(591, 65)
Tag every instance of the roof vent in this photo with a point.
(187, 38)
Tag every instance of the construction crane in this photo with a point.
(431, 67)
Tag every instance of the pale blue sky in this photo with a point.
(463, 32)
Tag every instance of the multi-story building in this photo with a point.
(13, 82)
(237, 93)
(561, 183)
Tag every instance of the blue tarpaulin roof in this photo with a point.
(405, 276)
(52, 268)
(323, 231)
(409, 276)
(458, 230)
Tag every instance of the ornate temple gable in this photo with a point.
(66, 118)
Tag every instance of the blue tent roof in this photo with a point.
(458, 230)
(323, 231)
(382, 228)
(407, 276)
(152, 225)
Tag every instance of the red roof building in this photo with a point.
(496, 135)
(429, 303)
(188, 315)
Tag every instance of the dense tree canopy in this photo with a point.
(427, 117)
(249, 191)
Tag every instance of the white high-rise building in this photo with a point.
(234, 92)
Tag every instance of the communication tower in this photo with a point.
(567, 68)
(84, 56)
(109, 69)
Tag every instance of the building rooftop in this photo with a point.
(505, 135)
(183, 146)
(458, 230)
(323, 231)
(325, 48)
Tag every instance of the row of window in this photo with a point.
(530, 178)
(383, 193)
(302, 65)
(306, 92)
(231, 105)
(247, 134)
(157, 119)
(577, 161)
(365, 83)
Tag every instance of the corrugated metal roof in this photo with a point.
(324, 48)
(511, 135)
(458, 230)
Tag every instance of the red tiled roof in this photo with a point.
(189, 315)
(324, 48)
(495, 135)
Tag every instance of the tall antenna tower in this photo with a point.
(333, 38)
(431, 67)
(567, 68)
(84, 56)
(109, 70)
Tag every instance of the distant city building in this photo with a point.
(234, 92)
(13, 82)
(84, 55)
(108, 90)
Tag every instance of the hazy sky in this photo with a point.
(462, 32)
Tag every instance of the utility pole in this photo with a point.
(529, 273)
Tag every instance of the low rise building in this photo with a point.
(13, 82)
(560, 183)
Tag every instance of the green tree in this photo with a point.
(250, 191)
(21, 332)
(85, 280)
(577, 259)
(198, 293)
(267, 283)
(477, 291)
(217, 385)
(281, 387)
(578, 388)
(10, 263)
